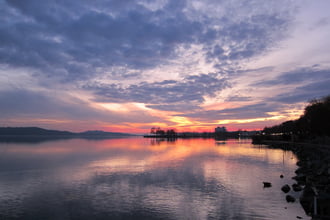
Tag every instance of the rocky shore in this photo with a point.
(312, 176)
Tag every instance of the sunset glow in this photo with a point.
(192, 66)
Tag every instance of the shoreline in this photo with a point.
(312, 175)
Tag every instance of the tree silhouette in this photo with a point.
(314, 122)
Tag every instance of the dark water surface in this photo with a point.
(138, 178)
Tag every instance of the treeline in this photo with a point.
(216, 135)
(171, 133)
(161, 132)
(314, 123)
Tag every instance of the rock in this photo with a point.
(301, 179)
(298, 217)
(281, 176)
(301, 163)
(296, 187)
(290, 198)
(307, 199)
(286, 188)
(267, 184)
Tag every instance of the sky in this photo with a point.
(192, 65)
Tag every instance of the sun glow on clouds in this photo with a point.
(118, 107)
(240, 121)
(189, 65)
(182, 121)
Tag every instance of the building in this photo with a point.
(220, 129)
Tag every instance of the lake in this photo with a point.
(140, 178)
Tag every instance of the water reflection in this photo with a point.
(138, 178)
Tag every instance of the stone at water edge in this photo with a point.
(296, 187)
(300, 178)
(267, 184)
(286, 188)
(290, 198)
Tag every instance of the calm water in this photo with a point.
(138, 178)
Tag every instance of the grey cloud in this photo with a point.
(321, 23)
(310, 83)
(24, 102)
(249, 37)
(306, 92)
(71, 39)
(191, 89)
(28, 103)
(181, 106)
(31, 104)
(238, 98)
(302, 75)
(53, 38)
(244, 112)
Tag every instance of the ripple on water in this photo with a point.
(187, 179)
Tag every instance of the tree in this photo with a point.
(314, 122)
(160, 132)
(317, 116)
(171, 133)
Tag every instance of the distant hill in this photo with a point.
(17, 131)
(36, 131)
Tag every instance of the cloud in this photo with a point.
(306, 92)
(56, 40)
(115, 51)
(22, 103)
(245, 112)
(178, 107)
(80, 40)
(249, 37)
(297, 76)
(192, 89)
(238, 98)
(322, 22)
(302, 84)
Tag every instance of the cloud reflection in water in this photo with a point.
(142, 179)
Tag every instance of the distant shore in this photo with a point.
(36, 134)
(219, 135)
